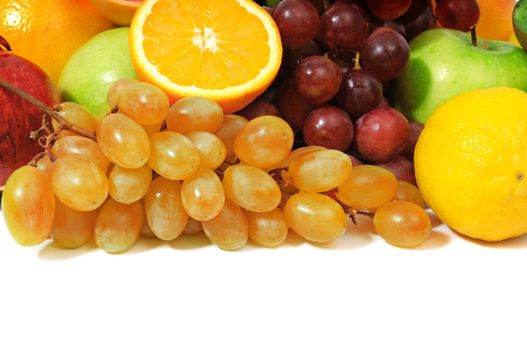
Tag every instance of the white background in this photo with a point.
(358, 292)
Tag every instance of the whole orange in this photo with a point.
(495, 20)
(48, 32)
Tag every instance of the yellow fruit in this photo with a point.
(231, 55)
(48, 32)
(471, 163)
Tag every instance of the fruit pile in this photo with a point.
(301, 129)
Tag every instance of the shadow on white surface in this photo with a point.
(51, 251)
(190, 242)
(513, 243)
(436, 240)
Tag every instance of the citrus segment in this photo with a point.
(229, 51)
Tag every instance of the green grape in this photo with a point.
(195, 114)
(315, 217)
(123, 141)
(118, 226)
(76, 114)
(402, 223)
(193, 227)
(368, 187)
(264, 142)
(229, 230)
(72, 228)
(211, 148)
(202, 195)
(82, 146)
(319, 170)
(28, 205)
(164, 209)
(115, 89)
(232, 124)
(144, 102)
(79, 183)
(251, 188)
(129, 185)
(267, 229)
(410, 193)
(173, 155)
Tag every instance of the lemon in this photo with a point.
(471, 163)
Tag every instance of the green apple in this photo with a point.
(91, 70)
(519, 21)
(444, 63)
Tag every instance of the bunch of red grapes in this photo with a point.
(339, 59)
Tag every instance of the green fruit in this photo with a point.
(443, 64)
(91, 70)
(519, 21)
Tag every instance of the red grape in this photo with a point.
(344, 26)
(458, 14)
(402, 168)
(359, 93)
(259, 107)
(293, 107)
(381, 134)
(415, 131)
(328, 127)
(298, 21)
(389, 9)
(297, 54)
(385, 54)
(317, 79)
(424, 21)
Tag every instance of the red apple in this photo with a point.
(18, 117)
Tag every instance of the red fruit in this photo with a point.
(17, 116)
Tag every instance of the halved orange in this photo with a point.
(228, 50)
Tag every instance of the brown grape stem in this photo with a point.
(473, 36)
(48, 111)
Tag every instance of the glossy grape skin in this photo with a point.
(123, 141)
(79, 183)
(81, 146)
(115, 89)
(251, 188)
(381, 134)
(344, 26)
(118, 226)
(329, 127)
(193, 227)
(212, 150)
(415, 131)
(71, 228)
(145, 103)
(385, 54)
(293, 107)
(194, 114)
(164, 209)
(359, 93)
(295, 154)
(44, 164)
(458, 14)
(202, 195)
(267, 229)
(28, 205)
(260, 106)
(229, 230)
(265, 141)
(319, 171)
(76, 114)
(297, 20)
(129, 185)
(152, 129)
(317, 79)
(402, 224)
(368, 187)
(232, 124)
(315, 217)
(389, 9)
(401, 167)
(410, 193)
(424, 21)
(298, 54)
(173, 155)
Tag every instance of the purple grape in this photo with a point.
(297, 54)
(458, 14)
(292, 106)
(385, 54)
(415, 131)
(259, 107)
(388, 9)
(359, 93)
(317, 79)
(402, 168)
(424, 21)
(344, 26)
(298, 21)
(381, 134)
(330, 127)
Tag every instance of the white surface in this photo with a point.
(357, 293)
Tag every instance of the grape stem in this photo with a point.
(48, 111)
(473, 36)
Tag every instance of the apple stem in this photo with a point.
(473, 36)
(48, 111)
